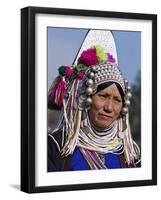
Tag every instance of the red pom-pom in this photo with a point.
(88, 57)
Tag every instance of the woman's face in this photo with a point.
(106, 107)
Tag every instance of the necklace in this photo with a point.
(104, 141)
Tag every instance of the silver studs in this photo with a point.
(124, 110)
(129, 88)
(88, 101)
(89, 91)
(127, 102)
(102, 78)
(89, 82)
(129, 95)
(93, 68)
(125, 81)
(91, 75)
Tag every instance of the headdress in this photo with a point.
(95, 64)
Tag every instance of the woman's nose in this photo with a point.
(108, 107)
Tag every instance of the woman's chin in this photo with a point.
(103, 125)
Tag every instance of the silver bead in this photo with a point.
(128, 95)
(125, 110)
(101, 78)
(129, 88)
(89, 90)
(89, 82)
(125, 81)
(91, 75)
(88, 101)
(93, 68)
(127, 102)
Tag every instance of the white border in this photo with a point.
(94, 176)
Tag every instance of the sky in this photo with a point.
(64, 43)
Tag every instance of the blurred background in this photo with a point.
(63, 45)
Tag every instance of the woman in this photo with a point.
(93, 132)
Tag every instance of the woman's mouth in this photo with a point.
(105, 117)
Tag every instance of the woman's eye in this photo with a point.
(102, 95)
(118, 100)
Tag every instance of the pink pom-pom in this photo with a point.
(110, 58)
(68, 71)
(57, 93)
(88, 57)
(80, 75)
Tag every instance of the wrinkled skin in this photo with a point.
(106, 107)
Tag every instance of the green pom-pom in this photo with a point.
(81, 67)
(100, 53)
(62, 70)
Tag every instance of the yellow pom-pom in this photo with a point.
(100, 53)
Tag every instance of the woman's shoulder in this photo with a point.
(56, 138)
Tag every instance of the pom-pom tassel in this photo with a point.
(58, 93)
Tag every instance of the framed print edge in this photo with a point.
(154, 98)
(27, 101)
(28, 91)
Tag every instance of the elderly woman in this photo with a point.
(94, 131)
